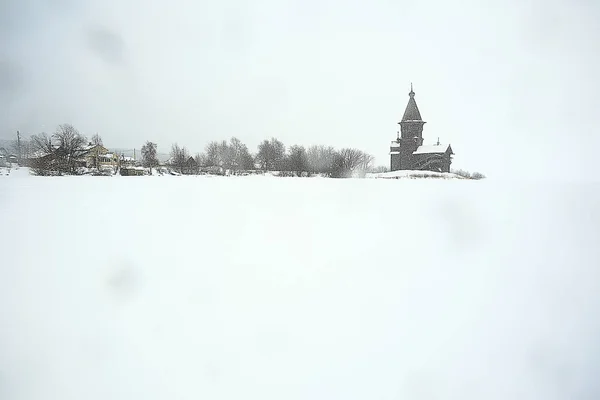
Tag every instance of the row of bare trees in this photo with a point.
(272, 155)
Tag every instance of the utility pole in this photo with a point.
(19, 147)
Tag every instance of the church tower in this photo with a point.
(408, 152)
(410, 136)
(411, 125)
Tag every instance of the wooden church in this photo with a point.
(408, 152)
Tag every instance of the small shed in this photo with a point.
(132, 171)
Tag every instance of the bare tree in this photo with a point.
(97, 140)
(271, 155)
(365, 164)
(239, 155)
(179, 157)
(200, 160)
(467, 174)
(348, 161)
(61, 152)
(42, 144)
(149, 158)
(379, 169)
(212, 154)
(226, 155)
(297, 160)
(233, 155)
(320, 159)
(71, 146)
(43, 161)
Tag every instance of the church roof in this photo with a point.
(411, 113)
(435, 149)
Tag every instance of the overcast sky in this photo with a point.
(512, 85)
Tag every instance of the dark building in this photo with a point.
(408, 152)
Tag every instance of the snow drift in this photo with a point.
(282, 288)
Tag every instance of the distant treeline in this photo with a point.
(272, 155)
(62, 153)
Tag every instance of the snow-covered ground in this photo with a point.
(406, 174)
(287, 288)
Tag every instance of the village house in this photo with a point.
(98, 156)
(407, 152)
(7, 157)
(126, 161)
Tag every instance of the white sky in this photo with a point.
(511, 84)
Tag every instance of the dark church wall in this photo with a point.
(394, 161)
(410, 130)
(432, 162)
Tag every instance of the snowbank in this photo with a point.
(248, 288)
(405, 174)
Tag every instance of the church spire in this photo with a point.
(411, 113)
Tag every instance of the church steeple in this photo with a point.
(411, 125)
(411, 113)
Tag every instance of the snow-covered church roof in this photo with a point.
(434, 149)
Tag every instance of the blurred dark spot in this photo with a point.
(107, 45)
(123, 281)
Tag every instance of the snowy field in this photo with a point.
(288, 288)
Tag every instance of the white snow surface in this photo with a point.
(260, 287)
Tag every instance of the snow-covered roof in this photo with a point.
(109, 155)
(395, 144)
(91, 146)
(38, 154)
(394, 152)
(435, 149)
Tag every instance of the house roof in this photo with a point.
(411, 113)
(434, 149)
